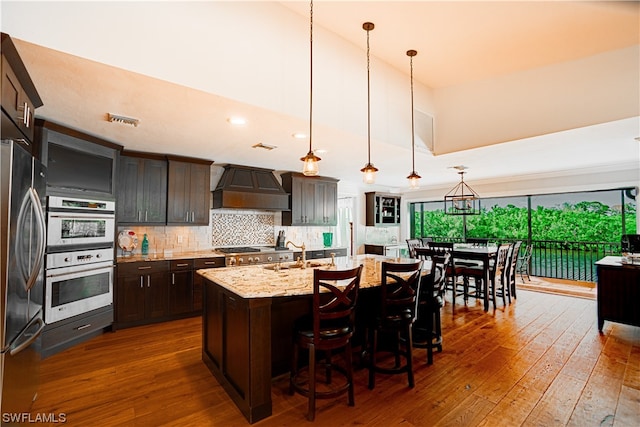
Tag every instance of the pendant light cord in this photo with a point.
(368, 106)
(413, 144)
(310, 73)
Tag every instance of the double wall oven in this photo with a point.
(79, 259)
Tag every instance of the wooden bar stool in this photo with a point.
(397, 312)
(427, 330)
(329, 327)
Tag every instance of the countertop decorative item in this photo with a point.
(145, 245)
(127, 241)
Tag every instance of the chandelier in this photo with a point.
(462, 199)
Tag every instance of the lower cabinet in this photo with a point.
(66, 333)
(156, 291)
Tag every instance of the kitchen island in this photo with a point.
(247, 323)
(618, 291)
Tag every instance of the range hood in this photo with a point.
(244, 187)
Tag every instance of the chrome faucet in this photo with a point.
(304, 252)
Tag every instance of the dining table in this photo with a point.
(483, 254)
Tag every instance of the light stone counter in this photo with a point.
(206, 253)
(256, 281)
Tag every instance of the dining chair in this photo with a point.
(499, 281)
(477, 241)
(427, 330)
(329, 327)
(512, 266)
(524, 262)
(426, 241)
(412, 244)
(391, 329)
(455, 278)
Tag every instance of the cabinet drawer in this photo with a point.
(181, 264)
(337, 251)
(70, 332)
(213, 262)
(143, 267)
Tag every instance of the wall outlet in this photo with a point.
(180, 238)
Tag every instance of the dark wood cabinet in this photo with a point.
(314, 200)
(189, 195)
(382, 209)
(181, 287)
(19, 97)
(142, 190)
(142, 292)
(156, 291)
(618, 292)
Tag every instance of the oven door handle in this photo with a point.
(79, 215)
(86, 270)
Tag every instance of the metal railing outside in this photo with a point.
(561, 259)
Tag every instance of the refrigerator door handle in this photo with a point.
(42, 231)
(17, 348)
(22, 265)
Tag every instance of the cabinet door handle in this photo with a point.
(141, 282)
(148, 281)
(145, 216)
(210, 263)
(146, 267)
(173, 278)
(27, 119)
(79, 328)
(193, 216)
(139, 216)
(182, 265)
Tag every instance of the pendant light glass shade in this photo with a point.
(369, 170)
(310, 167)
(414, 178)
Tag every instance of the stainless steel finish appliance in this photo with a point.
(79, 223)
(246, 255)
(23, 231)
(78, 282)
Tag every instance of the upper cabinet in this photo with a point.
(19, 98)
(142, 189)
(314, 200)
(163, 190)
(189, 195)
(382, 209)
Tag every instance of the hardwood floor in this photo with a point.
(538, 362)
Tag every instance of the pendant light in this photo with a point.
(462, 199)
(414, 178)
(369, 170)
(310, 167)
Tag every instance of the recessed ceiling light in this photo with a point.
(299, 135)
(320, 151)
(237, 121)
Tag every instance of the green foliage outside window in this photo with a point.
(587, 221)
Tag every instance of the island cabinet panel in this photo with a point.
(142, 191)
(618, 293)
(237, 348)
(314, 200)
(189, 193)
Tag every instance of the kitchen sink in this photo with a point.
(310, 264)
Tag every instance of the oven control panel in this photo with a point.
(69, 259)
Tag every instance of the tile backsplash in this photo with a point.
(235, 228)
(227, 228)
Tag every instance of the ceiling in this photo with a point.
(177, 75)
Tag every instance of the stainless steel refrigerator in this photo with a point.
(22, 226)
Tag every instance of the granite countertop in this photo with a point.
(256, 281)
(205, 253)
